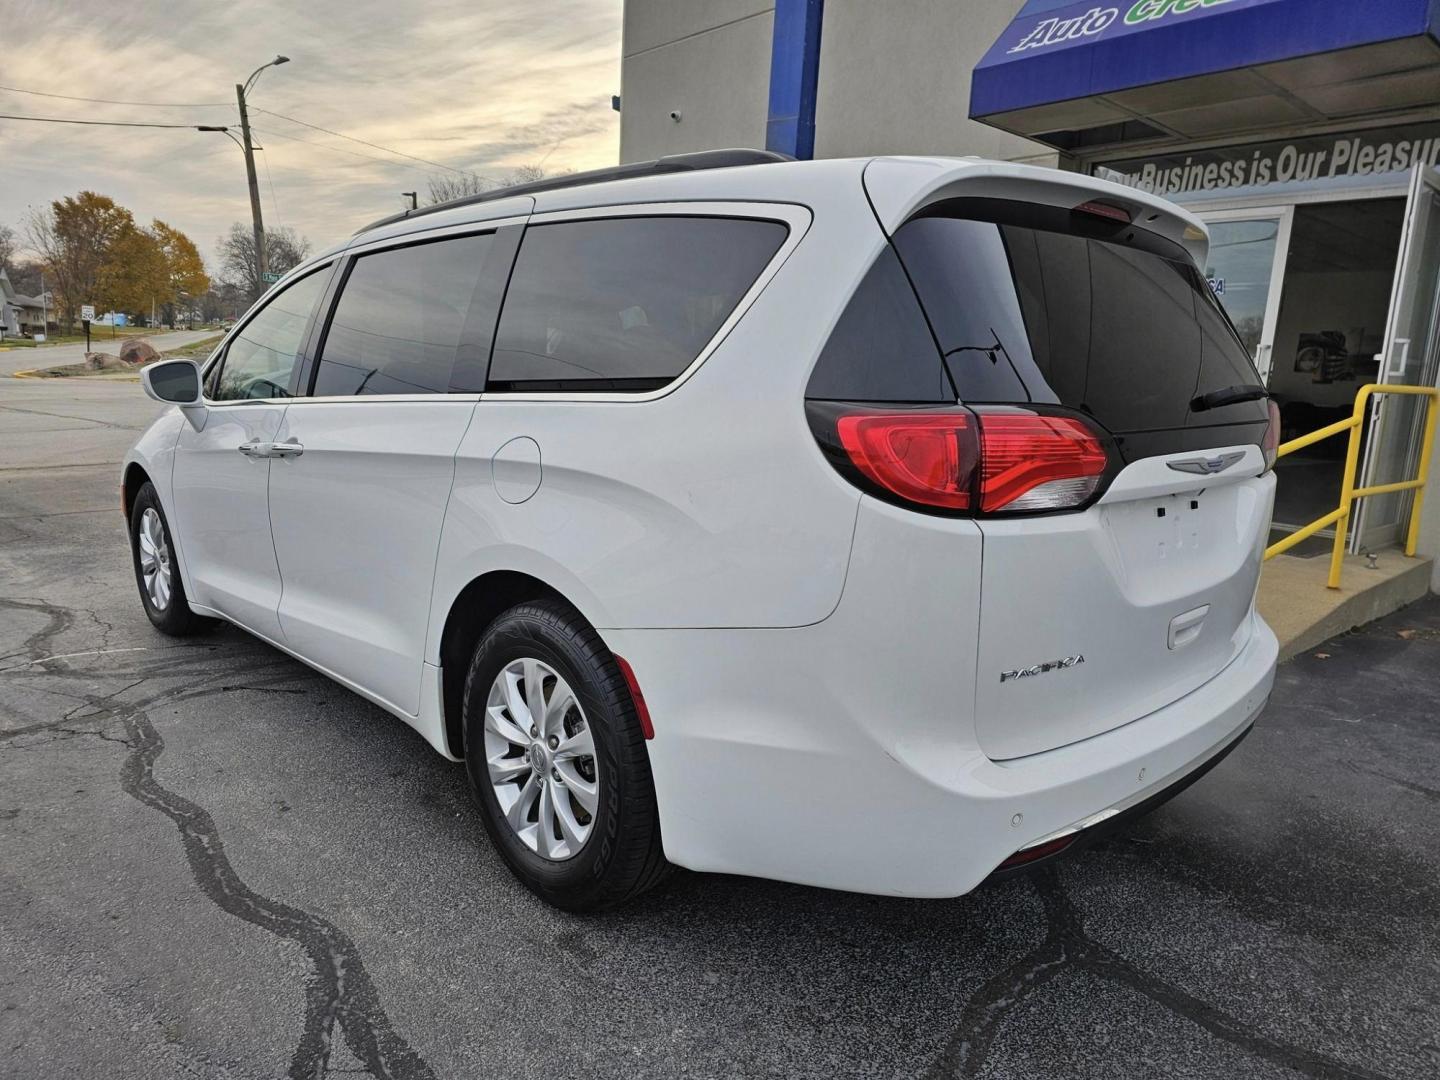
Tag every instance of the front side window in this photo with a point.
(400, 319)
(260, 361)
(623, 304)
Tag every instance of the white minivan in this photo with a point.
(878, 524)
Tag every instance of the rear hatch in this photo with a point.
(1095, 616)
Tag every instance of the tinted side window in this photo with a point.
(881, 348)
(260, 360)
(400, 318)
(623, 303)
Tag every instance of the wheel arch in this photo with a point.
(475, 607)
(133, 479)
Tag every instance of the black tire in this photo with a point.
(622, 856)
(174, 617)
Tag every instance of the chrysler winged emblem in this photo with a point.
(1207, 466)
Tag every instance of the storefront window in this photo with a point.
(1239, 268)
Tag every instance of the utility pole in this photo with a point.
(414, 197)
(260, 264)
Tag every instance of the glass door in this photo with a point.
(1411, 356)
(1245, 267)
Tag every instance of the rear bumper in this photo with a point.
(788, 754)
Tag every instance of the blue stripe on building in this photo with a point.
(794, 74)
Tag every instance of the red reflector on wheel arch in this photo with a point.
(642, 711)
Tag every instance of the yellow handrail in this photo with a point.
(1340, 517)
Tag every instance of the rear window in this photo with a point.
(623, 303)
(1038, 304)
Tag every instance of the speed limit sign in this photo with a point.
(87, 312)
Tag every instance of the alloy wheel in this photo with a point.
(540, 753)
(154, 559)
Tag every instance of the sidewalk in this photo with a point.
(1303, 613)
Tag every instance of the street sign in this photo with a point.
(270, 276)
(87, 311)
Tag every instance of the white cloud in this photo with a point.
(482, 85)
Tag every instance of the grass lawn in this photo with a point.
(99, 335)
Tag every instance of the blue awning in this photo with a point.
(1062, 68)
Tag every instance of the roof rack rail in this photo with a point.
(705, 159)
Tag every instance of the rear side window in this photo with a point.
(881, 348)
(400, 318)
(1036, 304)
(623, 304)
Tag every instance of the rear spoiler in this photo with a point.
(900, 187)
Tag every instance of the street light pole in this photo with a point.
(261, 262)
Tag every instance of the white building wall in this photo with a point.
(708, 60)
(895, 79)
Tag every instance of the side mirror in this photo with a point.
(174, 382)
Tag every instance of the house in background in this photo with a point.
(21, 315)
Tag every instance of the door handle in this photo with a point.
(1399, 372)
(271, 449)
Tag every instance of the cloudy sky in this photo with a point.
(478, 85)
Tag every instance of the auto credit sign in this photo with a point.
(1046, 26)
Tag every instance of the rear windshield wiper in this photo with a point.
(1230, 395)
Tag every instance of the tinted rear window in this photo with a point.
(401, 316)
(881, 350)
(1036, 304)
(623, 303)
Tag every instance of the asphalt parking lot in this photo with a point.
(214, 863)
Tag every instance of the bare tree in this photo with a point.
(459, 185)
(8, 248)
(284, 249)
(449, 186)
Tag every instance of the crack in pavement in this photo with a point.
(1067, 947)
(339, 990)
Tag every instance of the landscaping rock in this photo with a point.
(137, 352)
(99, 361)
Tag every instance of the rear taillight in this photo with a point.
(923, 458)
(1033, 462)
(985, 461)
(1270, 446)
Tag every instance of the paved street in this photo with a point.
(45, 356)
(214, 863)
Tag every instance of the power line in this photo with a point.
(96, 123)
(363, 142)
(111, 101)
(334, 149)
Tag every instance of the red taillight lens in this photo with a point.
(926, 459)
(642, 710)
(1270, 447)
(1033, 462)
(1039, 851)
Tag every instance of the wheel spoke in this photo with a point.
(519, 813)
(570, 827)
(515, 700)
(581, 744)
(586, 792)
(147, 545)
(500, 724)
(506, 770)
(535, 694)
(562, 698)
(545, 822)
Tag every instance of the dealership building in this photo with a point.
(1305, 133)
